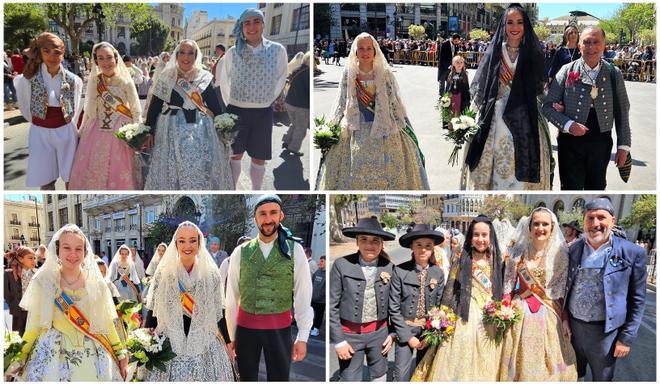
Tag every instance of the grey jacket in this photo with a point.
(347, 283)
(577, 99)
(404, 296)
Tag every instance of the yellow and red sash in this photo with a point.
(115, 102)
(193, 94)
(481, 277)
(187, 300)
(79, 321)
(125, 278)
(529, 286)
(506, 76)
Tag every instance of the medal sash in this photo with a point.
(481, 277)
(115, 102)
(187, 301)
(530, 287)
(80, 322)
(193, 94)
(132, 285)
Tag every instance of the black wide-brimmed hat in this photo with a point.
(367, 226)
(419, 231)
(575, 224)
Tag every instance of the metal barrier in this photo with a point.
(636, 69)
(650, 268)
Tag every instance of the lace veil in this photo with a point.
(114, 265)
(166, 79)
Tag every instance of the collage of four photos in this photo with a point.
(481, 178)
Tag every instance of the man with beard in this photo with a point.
(605, 293)
(263, 274)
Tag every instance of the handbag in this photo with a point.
(624, 171)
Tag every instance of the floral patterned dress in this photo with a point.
(471, 354)
(497, 166)
(62, 353)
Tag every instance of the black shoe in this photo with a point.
(284, 145)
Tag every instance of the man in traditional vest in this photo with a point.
(49, 98)
(253, 75)
(268, 277)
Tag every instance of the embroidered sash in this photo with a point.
(529, 286)
(187, 300)
(125, 278)
(368, 101)
(76, 317)
(481, 277)
(506, 76)
(113, 101)
(192, 93)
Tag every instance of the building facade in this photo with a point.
(213, 33)
(287, 24)
(172, 15)
(460, 209)
(195, 21)
(23, 223)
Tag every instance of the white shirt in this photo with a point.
(139, 267)
(54, 86)
(302, 289)
(218, 70)
(224, 80)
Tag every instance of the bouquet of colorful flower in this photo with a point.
(461, 129)
(444, 105)
(13, 346)
(129, 313)
(502, 314)
(134, 134)
(226, 127)
(440, 325)
(149, 349)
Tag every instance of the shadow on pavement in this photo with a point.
(289, 174)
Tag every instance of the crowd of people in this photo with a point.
(243, 303)
(580, 291)
(512, 96)
(182, 96)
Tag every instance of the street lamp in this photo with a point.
(36, 212)
(100, 19)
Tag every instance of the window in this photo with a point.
(64, 216)
(300, 19)
(97, 224)
(275, 25)
(49, 199)
(108, 225)
(151, 216)
(120, 225)
(579, 203)
(121, 32)
(33, 236)
(277, 5)
(134, 222)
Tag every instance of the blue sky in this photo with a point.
(600, 10)
(22, 197)
(217, 10)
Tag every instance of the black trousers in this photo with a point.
(583, 160)
(594, 348)
(276, 345)
(319, 312)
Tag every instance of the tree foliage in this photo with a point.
(643, 213)
(479, 34)
(152, 36)
(340, 202)
(22, 23)
(323, 20)
(542, 32)
(500, 206)
(574, 214)
(228, 217)
(416, 32)
(646, 37)
(636, 17)
(391, 221)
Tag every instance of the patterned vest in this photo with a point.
(266, 285)
(39, 97)
(253, 75)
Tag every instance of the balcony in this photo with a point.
(133, 227)
(33, 224)
(120, 228)
(14, 237)
(15, 222)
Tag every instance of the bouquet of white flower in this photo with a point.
(226, 127)
(149, 349)
(326, 135)
(460, 130)
(134, 134)
(13, 346)
(444, 105)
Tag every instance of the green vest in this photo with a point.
(266, 285)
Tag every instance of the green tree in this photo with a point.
(500, 206)
(163, 228)
(390, 220)
(478, 33)
(228, 217)
(22, 23)
(151, 35)
(542, 32)
(643, 213)
(567, 217)
(340, 202)
(646, 37)
(636, 17)
(416, 32)
(611, 37)
(426, 215)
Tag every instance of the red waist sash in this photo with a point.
(362, 328)
(264, 321)
(54, 118)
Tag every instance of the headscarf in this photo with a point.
(556, 255)
(39, 298)
(526, 85)
(387, 121)
(116, 260)
(238, 27)
(459, 286)
(92, 97)
(44, 39)
(164, 297)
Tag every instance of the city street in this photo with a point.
(640, 365)
(419, 92)
(283, 172)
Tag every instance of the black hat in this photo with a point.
(419, 231)
(599, 203)
(575, 224)
(267, 198)
(367, 226)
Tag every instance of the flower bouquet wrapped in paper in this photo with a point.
(460, 130)
(502, 314)
(440, 325)
(226, 127)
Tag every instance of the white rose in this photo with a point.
(455, 121)
(469, 121)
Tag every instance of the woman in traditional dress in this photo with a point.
(155, 260)
(70, 332)
(538, 348)
(378, 149)
(185, 304)
(511, 150)
(471, 354)
(104, 162)
(416, 287)
(123, 274)
(17, 278)
(187, 154)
